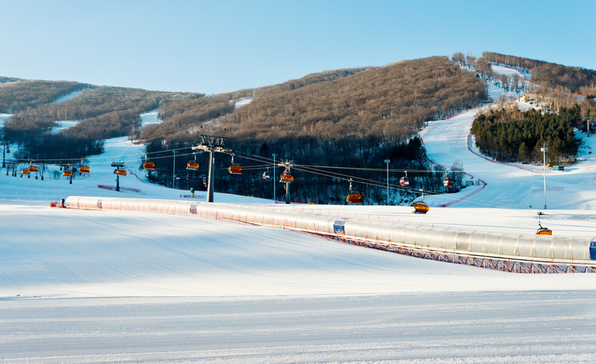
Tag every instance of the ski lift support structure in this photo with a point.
(211, 144)
(287, 164)
(118, 166)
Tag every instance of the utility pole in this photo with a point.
(274, 155)
(387, 162)
(211, 144)
(544, 150)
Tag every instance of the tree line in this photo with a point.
(515, 136)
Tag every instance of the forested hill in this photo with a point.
(183, 116)
(102, 111)
(352, 119)
(17, 95)
(391, 102)
(551, 75)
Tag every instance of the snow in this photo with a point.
(121, 286)
(4, 117)
(147, 118)
(68, 97)
(150, 117)
(242, 102)
(64, 124)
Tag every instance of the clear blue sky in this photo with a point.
(218, 46)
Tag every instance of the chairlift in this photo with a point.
(66, 173)
(25, 171)
(192, 165)
(286, 177)
(234, 168)
(541, 229)
(353, 197)
(404, 181)
(266, 175)
(448, 182)
(420, 207)
(149, 165)
(84, 169)
(33, 169)
(120, 172)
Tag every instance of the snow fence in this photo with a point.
(443, 240)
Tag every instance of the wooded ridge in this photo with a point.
(392, 101)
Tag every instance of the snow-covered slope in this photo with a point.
(505, 185)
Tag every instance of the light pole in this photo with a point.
(544, 150)
(387, 162)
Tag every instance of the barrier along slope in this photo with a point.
(501, 251)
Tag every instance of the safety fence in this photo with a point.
(501, 251)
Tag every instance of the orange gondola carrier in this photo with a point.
(354, 198)
(286, 178)
(235, 169)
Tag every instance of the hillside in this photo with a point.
(347, 119)
(392, 101)
(18, 95)
(506, 133)
(103, 112)
(550, 75)
(180, 116)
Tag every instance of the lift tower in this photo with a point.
(286, 178)
(211, 144)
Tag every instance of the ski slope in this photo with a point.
(507, 185)
(118, 286)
